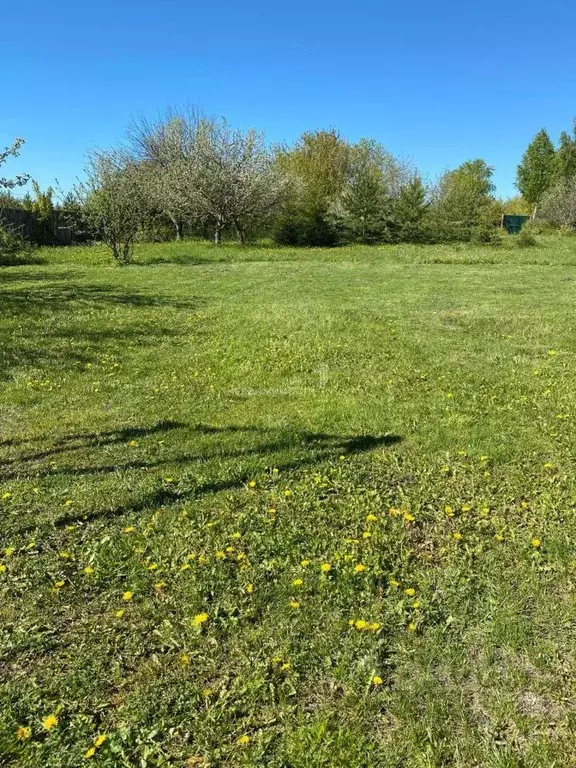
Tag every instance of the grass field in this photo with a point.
(289, 509)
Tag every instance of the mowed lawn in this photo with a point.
(289, 509)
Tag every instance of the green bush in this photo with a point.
(11, 245)
(525, 239)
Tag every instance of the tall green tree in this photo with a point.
(536, 170)
(364, 211)
(410, 210)
(566, 155)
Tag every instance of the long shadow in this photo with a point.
(319, 447)
(83, 440)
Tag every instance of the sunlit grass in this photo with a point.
(289, 508)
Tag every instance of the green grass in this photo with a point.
(195, 426)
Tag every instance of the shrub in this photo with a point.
(525, 239)
(11, 245)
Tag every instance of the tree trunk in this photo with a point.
(217, 235)
(535, 212)
(241, 234)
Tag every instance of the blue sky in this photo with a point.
(440, 82)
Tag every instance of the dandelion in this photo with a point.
(250, 589)
(360, 623)
(371, 519)
(359, 568)
(287, 492)
(410, 591)
(23, 733)
(152, 567)
(229, 550)
(377, 680)
(236, 535)
(168, 479)
(220, 554)
(9, 551)
(416, 604)
(50, 722)
(485, 511)
(374, 626)
(366, 535)
(132, 443)
(2, 568)
(466, 508)
(160, 585)
(119, 613)
(326, 567)
(89, 753)
(252, 484)
(449, 511)
(129, 529)
(394, 584)
(88, 570)
(411, 627)
(457, 535)
(499, 537)
(128, 595)
(184, 660)
(6, 495)
(199, 619)
(243, 740)
(298, 582)
(286, 666)
(58, 585)
(185, 567)
(272, 511)
(68, 502)
(304, 563)
(536, 543)
(408, 517)
(548, 465)
(294, 604)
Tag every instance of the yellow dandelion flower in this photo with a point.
(485, 511)
(408, 517)
(199, 619)
(49, 722)
(23, 733)
(483, 458)
(411, 627)
(466, 508)
(272, 511)
(152, 567)
(374, 626)
(377, 680)
(252, 484)
(416, 604)
(326, 567)
(88, 570)
(119, 613)
(229, 550)
(185, 567)
(236, 535)
(243, 740)
(394, 584)
(9, 551)
(6, 495)
(207, 692)
(448, 510)
(294, 604)
(58, 585)
(366, 535)
(359, 568)
(132, 443)
(536, 543)
(304, 563)
(287, 492)
(89, 753)
(99, 740)
(524, 504)
(129, 529)
(160, 585)
(220, 554)
(286, 666)
(499, 537)
(168, 479)
(240, 556)
(360, 624)
(184, 660)
(457, 535)
(250, 589)
(68, 502)
(2, 568)
(371, 518)
(298, 582)
(127, 595)
(410, 591)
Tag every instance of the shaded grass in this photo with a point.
(193, 432)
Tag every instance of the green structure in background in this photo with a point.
(513, 224)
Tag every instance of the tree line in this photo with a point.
(186, 174)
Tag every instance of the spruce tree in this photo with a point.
(566, 156)
(410, 210)
(537, 168)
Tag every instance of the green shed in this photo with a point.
(513, 224)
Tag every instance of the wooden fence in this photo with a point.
(26, 224)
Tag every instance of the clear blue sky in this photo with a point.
(439, 81)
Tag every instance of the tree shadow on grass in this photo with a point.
(285, 450)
